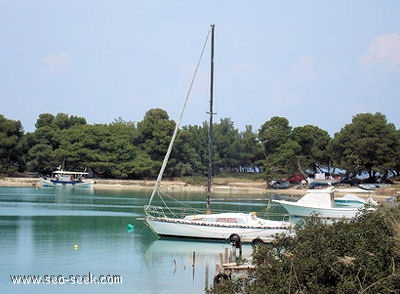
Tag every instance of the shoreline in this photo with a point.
(220, 186)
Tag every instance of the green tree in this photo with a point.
(64, 121)
(154, 134)
(252, 149)
(279, 149)
(227, 145)
(44, 153)
(283, 161)
(11, 156)
(45, 119)
(274, 133)
(84, 147)
(188, 152)
(368, 144)
(108, 150)
(397, 165)
(282, 148)
(60, 121)
(42, 159)
(313, 142)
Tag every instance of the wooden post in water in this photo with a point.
(226, 255)
(193, 263)
(221, 262)
(206, 282)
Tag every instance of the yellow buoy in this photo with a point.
(76, 246)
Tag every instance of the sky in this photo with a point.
(314, 62)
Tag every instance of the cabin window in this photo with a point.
(230, 220)
(197, 218)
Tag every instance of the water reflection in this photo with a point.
(39, 229)
(189, 262)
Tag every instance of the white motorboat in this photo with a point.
(67, 179)
(322, 203)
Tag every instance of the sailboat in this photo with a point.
(206, 225)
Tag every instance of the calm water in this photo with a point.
(64, 232)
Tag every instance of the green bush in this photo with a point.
(357, 256)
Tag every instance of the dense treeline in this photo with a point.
(128, 150)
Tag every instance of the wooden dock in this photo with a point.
(231, 266)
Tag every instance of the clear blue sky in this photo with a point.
(313, 62)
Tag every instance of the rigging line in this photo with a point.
(181, 203)
(159, 178)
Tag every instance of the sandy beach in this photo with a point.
(220, 186)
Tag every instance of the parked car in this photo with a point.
(296, 179)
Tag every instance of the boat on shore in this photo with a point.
(206, 224)
(67, 179)
(322, 203)
(279, 185)
(320, 179)
(373, 186)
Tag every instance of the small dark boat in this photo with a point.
(279, 184)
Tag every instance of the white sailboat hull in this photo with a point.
(180, 228)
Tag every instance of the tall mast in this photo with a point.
(210, 130)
